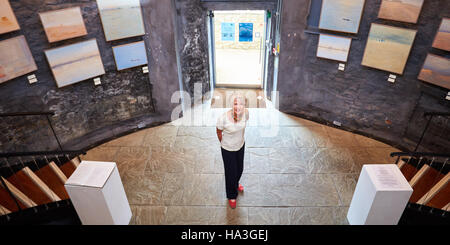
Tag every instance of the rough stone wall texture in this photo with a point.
(193, 46)
(361, 98)
(83, 109)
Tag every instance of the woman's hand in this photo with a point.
(219, 134)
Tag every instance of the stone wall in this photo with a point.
(361, 98)
(86, 114)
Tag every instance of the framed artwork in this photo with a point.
(76, 62)
(400, 10)
(227, 30)
(130, 55)
(333, 47)
(15, 59)
(63, 24)
(388, 47)
(245, 32)
(442, 39)
(341, 15)
(121, 18)
(436, 70)
(8, 21)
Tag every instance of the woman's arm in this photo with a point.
(219, 134)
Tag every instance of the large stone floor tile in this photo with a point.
(103, 154)
(160, 136)
(309, 136)
(229, 216)
(291, 160)
(188, 215)
(148, 215)
(133, 152)
(331, 160)
(345, 185)
(144, 189)
(170, 160)
(341, 138)
(134, 139)
(192, 189)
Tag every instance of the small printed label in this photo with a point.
(391, 80)
(31, 77)
(97, 81)
(392, 76)
(337, 123)
(33, 80)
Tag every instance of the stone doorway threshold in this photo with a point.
(222, 97)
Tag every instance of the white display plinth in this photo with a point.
(380, 196)
(97, 194)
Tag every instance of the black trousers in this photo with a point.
(233, 162)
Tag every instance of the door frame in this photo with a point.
(267, 43)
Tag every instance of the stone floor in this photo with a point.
(296, 171)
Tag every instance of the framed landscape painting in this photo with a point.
(400, 10)
(333, 47)
(442, 39)
(76, 62)
(15, 59)
(130, 55)
(388, 47)
(436, 70)
(341, 15)
(63, 24)
(121, 18)
(8, 21)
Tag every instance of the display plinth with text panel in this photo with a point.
(97, 193)
(380, 196)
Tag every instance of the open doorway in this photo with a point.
(238, 47)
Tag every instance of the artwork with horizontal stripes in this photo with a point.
(8, 21)
(130, 55)
(436, 70)
(63, 24)
(442, 39)
(15, 59)
(121, 18)
(333, 47)
(400, 10)
(388, 47)
(76, 62)
(341, 15)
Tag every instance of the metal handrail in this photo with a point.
(420, 154)
(13, 114)
(42, 153)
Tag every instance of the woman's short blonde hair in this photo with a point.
(238, 96)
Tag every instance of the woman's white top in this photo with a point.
(233, 133)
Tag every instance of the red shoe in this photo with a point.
(232, 203)
(241, 188)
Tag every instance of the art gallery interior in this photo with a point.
(334, 89)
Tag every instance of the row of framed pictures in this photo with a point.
(80, 61)
(387, 47)
(345, 15)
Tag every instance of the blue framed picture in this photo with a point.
(130, 55)
(245, 32)
(227, 31)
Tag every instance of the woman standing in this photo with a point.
(230, 131)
